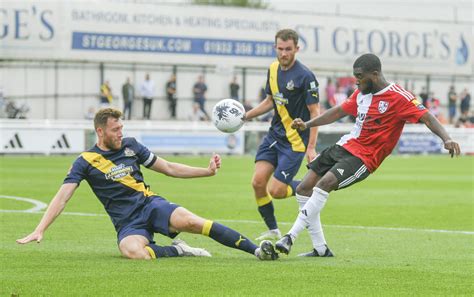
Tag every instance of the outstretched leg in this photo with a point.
(182, 220)
(310, 211)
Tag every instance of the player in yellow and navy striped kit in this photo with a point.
(112, 170)
(292, 91)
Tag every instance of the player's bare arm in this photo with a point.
(54, 209)
(435, 126)
(265, 106)
(184, 171)
(313, 133)
(330, 116)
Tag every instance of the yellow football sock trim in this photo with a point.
(264, 200)
(151, 252)
(206, 229)
(289, 191)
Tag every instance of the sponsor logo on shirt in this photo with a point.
(418, 104)
(290, 86)
(279, 99)
(118, 172)
(313, 89)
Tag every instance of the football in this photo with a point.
(227, 115)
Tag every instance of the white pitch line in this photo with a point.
(39, 206)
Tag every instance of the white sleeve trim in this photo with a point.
(149, 160)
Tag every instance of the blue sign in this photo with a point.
(171, 44)
(191, 142)
(416, 143)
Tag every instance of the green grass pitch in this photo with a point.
(406, 230)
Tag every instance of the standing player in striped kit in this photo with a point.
(381, 109)
(292, 92)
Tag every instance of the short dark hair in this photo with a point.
(287, 34)
(101, 117)
(368, 63)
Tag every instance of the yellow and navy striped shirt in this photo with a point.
(292, 90)
(115, 178)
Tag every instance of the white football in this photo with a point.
(227, 115)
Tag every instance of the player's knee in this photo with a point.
(303, 190)
(137, 254)
(192, 224)
(259, 183)
(134, 251)
(278, 192)
(327, 184)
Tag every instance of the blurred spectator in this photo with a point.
(199, 91)
(147, 90)
(171, 95)
(2, 104)
(262, 94)
(452, 98)
(433, 105)
(128, 94)
(90, 114)
(424, 96)
(350, 90)
(339, 96)
(197, 114)
(16, 112)
(267, 117)
(106, 96)
(330, 91)
(465, 102)
(247, 105)
(234, 89)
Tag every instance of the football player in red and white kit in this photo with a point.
(381, 110)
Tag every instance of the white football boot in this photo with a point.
(269, 235)
(184, 250)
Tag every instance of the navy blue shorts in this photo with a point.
(282, 157)
(154, 218)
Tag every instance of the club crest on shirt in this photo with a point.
(290, 86)
(128, 152)
(383, 106)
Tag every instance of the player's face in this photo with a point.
(286, 51)
(364, 81)
(112, 134)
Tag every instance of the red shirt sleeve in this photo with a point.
(350, 105)
(411, 111)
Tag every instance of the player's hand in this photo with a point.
(214, 164)
(35, 236)
(452, 147)
(311, 154)
(298, 124)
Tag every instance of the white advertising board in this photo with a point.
(40, 140)
(99, 31)
(50, 137)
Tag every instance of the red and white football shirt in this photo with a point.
(380, 118)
